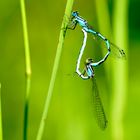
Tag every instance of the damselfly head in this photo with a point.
(75, 13)
(88, 61)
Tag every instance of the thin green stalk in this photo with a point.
(55, 68)
(103, 18)
(0, 116)
(28, 67)
(120, 73)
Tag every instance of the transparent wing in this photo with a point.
(98, 107)
(115, 50)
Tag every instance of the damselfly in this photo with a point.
(93, 64)
(76, 19)
(88, 73)
(98, 106)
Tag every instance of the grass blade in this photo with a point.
(120, 70)
(55, 68)
(1, 135)
(28, 67)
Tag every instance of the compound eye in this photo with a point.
(89, 60)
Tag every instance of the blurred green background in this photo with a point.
(70, 115)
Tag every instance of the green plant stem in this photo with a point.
(120, 72)
(104, 25)
(0, 116)
(28, 67)
(55, 68)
